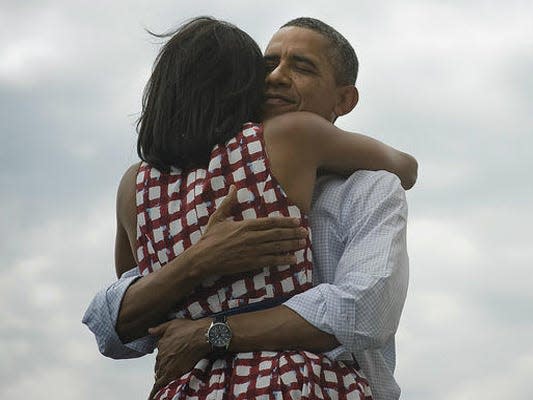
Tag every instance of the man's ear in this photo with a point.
(347, 98)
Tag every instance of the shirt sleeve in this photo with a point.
(101, 318)
(362, 307)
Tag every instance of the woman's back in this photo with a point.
(274, 169)
(173, 210)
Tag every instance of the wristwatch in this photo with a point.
(219, 334)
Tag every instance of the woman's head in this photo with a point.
(206, 82)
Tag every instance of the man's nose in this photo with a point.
(279, 76)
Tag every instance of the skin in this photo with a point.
(299, 78)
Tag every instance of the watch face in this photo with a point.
(219, 335)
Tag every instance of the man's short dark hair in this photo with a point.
(343, 57)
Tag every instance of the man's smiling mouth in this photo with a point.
(277, 99)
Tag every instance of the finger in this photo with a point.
(155, 389)
(159, 382)
(277, 248)
(272, 223)
(276, 235)
(160, 329)
(153, 392)
(271, 261)
(223, 211)
(163, 381)
(159, 364)
(162, 364)
(156, 331)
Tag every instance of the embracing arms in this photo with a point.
(335, 311)
(361, 291)
(123, 312)
(321, 145)
(226, 247)
(363, 274)
(308, 321)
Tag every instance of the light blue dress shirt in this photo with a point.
(360, 275)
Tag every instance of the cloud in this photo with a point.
(449, 82)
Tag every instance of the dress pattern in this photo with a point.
(172, 212)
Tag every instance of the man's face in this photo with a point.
(299, 74)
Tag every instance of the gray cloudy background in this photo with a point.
(448, 81)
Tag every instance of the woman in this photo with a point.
(195, 140)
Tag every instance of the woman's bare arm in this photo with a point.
(327, 147)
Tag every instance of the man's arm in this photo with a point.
(363, 304)
(101, 316)
(361, 307)
(226, 248)
(123, 312)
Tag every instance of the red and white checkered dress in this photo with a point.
(172, 213)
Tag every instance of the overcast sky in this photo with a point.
(448, 81)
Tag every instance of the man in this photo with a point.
(358, 225)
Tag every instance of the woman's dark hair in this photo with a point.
(206, 82)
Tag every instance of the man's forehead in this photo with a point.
(295, 40)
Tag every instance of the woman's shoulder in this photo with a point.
(129, 178)
(300, 120)
(300, 126)
(126, 194)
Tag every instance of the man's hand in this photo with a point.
(181, 345)
(229, 247)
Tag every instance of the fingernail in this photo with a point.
(296, 221)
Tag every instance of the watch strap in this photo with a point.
(220, 318)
